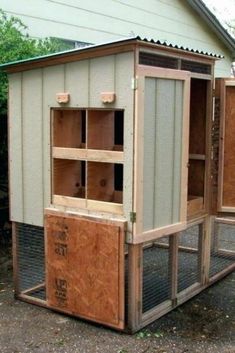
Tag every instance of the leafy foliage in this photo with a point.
(15, 44)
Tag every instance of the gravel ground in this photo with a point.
(204, 324)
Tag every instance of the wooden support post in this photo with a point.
(135, 269)
(173, 266)
(215, 237)
(204, 251)
(201, 253)
(15, 258)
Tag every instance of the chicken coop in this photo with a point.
(122, 179)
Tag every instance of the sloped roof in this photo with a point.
(71, 55)
(200, 7)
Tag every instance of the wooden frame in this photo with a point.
(222, 86)
(201, 205)
(135, 265)
(178, 298)
(215, 241)
(139, 235)
(75, 150)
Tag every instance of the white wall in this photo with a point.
(104, 20)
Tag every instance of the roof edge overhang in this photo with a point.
(214, 24)
(108, 48)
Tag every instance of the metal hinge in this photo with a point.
(132, 217)
(213, 92)
(134, 83)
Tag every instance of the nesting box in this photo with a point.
(122, 180)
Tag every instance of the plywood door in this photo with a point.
(161, 145)
(226, 180)
(85, 268)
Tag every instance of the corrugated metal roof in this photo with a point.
(175, 46)
(121, 41)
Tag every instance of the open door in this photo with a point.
(161, 152)
(225, 94)
(85, 267)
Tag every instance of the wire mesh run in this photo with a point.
(156, 274)
(188, 257)
(222, 247)
(30, 259)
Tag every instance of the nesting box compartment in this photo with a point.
(122, 203)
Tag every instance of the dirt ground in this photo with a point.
(206, 324)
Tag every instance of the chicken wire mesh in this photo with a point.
(30, 260)
(188, 257)
(157, 280)
(156, 274)
(222, 247)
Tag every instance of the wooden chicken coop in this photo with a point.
(122, 179)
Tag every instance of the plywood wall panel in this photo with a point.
(85, 268)
(38, 96)
(165, 104)
(53, 82)
(124, 69)
(198, 108)
(15, 149)
(101, 79)
(77, 83)
(32, 147)
(162, 152)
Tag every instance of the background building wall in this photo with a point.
(94, 22)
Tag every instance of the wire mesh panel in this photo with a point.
(222, 247)
(30, 260)
(156, 274)
(188, 257)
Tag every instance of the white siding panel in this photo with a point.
(95, 22)
(53, 82)
(15, 148)
(32, 147)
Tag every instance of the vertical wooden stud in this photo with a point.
(173, 266)
(204, 251)
(135, 266)
(15, 258)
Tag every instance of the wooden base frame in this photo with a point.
(136, 318)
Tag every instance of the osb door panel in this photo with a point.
(85, 268)
(226, 177)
